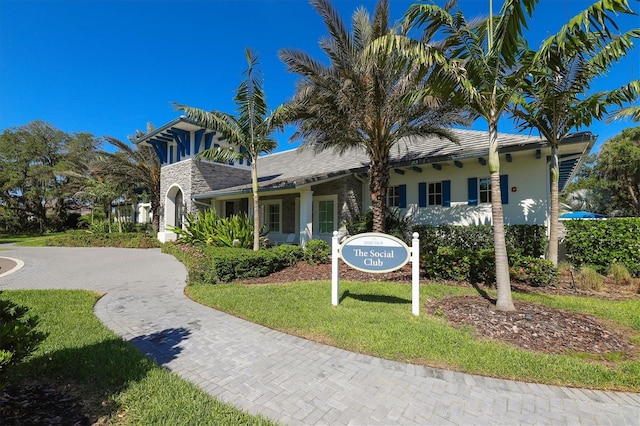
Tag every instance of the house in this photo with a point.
(310, 195)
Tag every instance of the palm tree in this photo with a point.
(132, 169)
(478, 64)
(554, 100)
(250, 131)
(358, 100)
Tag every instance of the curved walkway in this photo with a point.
(288, 379)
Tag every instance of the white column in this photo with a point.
(415, 274)
(306, 216)
(335, 258)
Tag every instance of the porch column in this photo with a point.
(306, 216)
(250, 207)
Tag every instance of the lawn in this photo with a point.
(376, 319)
(119, 384)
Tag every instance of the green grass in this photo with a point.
(26, 240)
(121, 385)
(376, 319)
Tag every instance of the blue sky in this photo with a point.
(109, 67)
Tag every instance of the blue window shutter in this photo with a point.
(472, 191)
(422, 194)
(402, 189)
(504, 188)
(446, 193)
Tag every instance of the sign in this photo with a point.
(375, 252)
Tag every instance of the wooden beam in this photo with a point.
(458, 164)
(437, 166)
(399, 171)
(417, 169)
(509, 158)
(482, 161)
(538, 154)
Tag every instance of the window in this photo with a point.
(271, 217)
(485, 190)
(435, 194)
(393, 196)
(325, 217)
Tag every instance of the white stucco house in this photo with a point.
(305, 195)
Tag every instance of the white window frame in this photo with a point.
(316, 213)
(393, 196)
(264, 211)
(486, 192)
(434, 194)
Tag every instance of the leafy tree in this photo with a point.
(250, 131)
(619, 164)
(35, 161)
(359, 100)
(130, 172)
(555, 100)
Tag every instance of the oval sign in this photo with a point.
(375, 252)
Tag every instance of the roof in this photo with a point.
(298, 168)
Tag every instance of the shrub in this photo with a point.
(207, 227)
(121, 240)
(588, 278)
(316, 252)
(522, 240)
(208, 264)
(534, 271)
(601, 243)
(18, 334)
(448, 263)
(395, 224)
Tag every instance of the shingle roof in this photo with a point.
(294, 168)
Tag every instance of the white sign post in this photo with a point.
(376, 253)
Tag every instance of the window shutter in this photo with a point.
(472, 191)
(504, 188)
(402, 189)
(446, 193)
(422, 194)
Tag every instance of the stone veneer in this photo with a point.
(197, 177)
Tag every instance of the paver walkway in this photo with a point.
(288, 379)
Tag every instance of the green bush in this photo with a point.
(521, 240)
(601, 243)
(208, 228)
(208, 264)
(316, 252)
(18, 334)
(395, 224)
(534, 271)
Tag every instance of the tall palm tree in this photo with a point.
(250, 131)
(358, 100)
(131, 169)
(554, 94)
(478, 64)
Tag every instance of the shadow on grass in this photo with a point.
(101, 371)
(374, 298)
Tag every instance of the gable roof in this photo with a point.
(298, 168)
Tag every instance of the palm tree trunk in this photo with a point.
(503, 284)
(378, 187)
(552, 250)
(256, 205)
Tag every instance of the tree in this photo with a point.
(250, 131)
(619, 164)
(35, 161)
(129, 171)
(358, 101)
(478, 64)
(555, 100)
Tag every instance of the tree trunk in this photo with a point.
(503, 284)
(256, 205)
(552, 249)
(379, 170)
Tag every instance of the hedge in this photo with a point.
(120, 240)
(601, 243)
